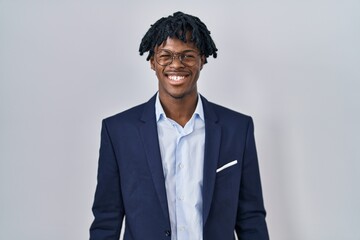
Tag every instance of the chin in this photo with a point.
(177, 96)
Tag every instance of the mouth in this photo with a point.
(177, 77)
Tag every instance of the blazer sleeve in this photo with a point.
(108, 206)
(250, 222)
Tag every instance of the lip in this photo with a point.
(172, 73)
(177, 78)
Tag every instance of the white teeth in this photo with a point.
(176, 78)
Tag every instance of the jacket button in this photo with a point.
(167, 233)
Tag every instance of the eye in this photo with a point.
(189, 56)
(164, 55)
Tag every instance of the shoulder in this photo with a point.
(129, 114)
(232, 123)
(225, 115)
(132, 115)
(224, 111)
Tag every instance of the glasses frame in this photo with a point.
(178, 55)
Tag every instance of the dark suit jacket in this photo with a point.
(131, 181)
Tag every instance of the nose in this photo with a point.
(176, 62)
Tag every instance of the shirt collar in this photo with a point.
(159, 111)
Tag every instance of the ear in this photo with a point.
(152, 63)
(203, 61)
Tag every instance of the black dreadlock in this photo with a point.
(178, 25)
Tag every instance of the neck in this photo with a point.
(179, 109)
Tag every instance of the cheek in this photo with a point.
(158, 72)
(196, 71)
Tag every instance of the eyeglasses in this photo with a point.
(166, 57)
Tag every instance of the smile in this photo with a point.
(176, 77)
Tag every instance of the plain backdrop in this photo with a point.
(294, 66)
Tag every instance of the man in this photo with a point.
(178, 167)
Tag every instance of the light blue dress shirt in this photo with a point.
(182, 154)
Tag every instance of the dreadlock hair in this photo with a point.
(177, 26)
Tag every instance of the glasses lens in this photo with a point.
(164, 57)
(189, 58)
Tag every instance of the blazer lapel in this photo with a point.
(149, 135)
(211, 156)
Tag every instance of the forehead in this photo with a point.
(176, 45)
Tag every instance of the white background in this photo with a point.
(292, 65)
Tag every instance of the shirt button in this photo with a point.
(181, 166)
(167, 233)
(182, 229)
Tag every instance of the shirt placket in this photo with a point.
(181, 155)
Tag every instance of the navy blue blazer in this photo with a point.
(131, 182)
